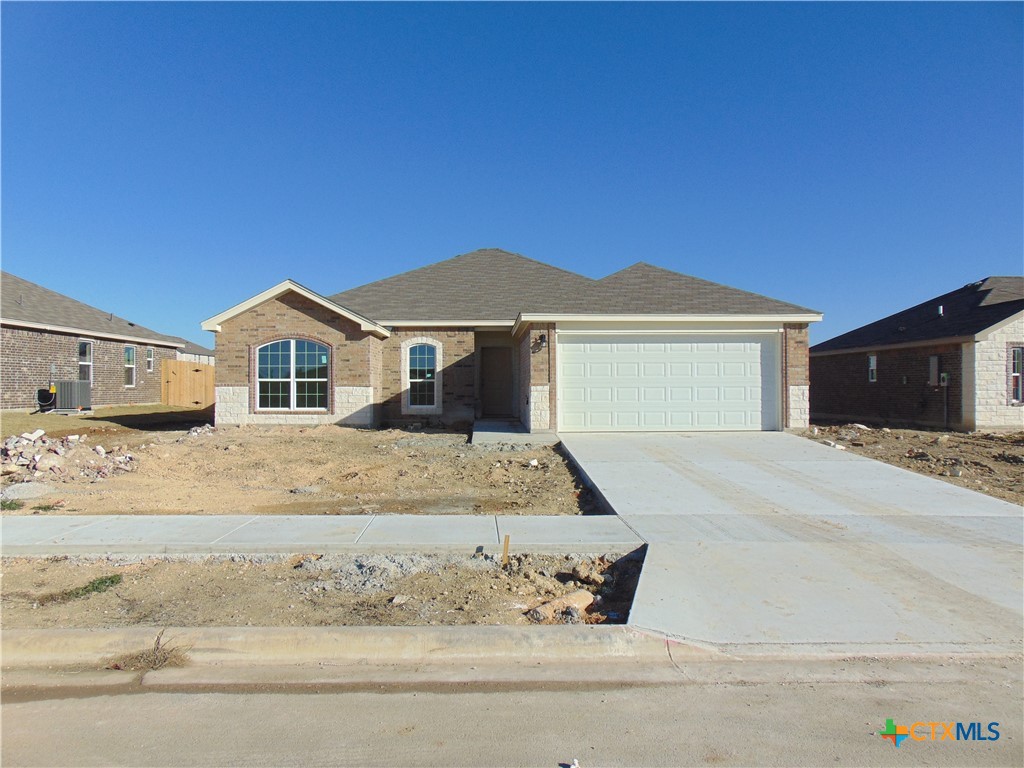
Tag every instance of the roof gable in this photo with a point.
(27, 304)
(286, 286)
(965, 312)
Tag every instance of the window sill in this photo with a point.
(285, 411)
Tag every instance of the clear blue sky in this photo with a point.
(164, 161)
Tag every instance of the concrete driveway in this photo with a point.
(771, 543)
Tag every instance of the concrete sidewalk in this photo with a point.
(270, 534)
(768, 543)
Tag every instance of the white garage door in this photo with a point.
(668, 382)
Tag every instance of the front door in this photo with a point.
(496, 381)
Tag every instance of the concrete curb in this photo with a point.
(25, 648)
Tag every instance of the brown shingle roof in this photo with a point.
(25, 302)
(965, 312)
(496, 286)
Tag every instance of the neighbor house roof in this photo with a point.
(965, 312)
(191, 348)
(26, 304)
(496, 286)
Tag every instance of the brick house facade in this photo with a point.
(947, 363)
(480, 336)
(41, 332)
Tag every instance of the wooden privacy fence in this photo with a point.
(185, 384)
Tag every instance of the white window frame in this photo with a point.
(1017, 374)
(149, 359)
(872, 368)
(92, 351)
(423, 410)
(133, 367)
(292, 381)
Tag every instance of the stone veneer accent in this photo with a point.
(540, 408)
(988, 400)
(799, 406)
(353, 406)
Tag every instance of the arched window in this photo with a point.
(293, 375)
(421, 376)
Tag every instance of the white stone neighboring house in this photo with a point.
(194, 353)
(955, 361)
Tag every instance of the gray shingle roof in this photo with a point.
(646, 289)
(496, 286)
(26, 302)
(965, 312)
(191, 348)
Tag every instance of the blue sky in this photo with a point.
(165, 161)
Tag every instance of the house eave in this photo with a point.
(904, 345)
(365, 324)
(525, 318)
(88, 333)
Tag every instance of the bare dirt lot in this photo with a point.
(990, 463)
(313, 590)
(292, 470)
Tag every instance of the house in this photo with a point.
(495, 335)
(46, 337)
(195, 353)
(952, 362)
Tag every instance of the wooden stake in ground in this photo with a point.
(504, 552)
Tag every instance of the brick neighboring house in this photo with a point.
(953, 361)
(495, 335)
(46, 336)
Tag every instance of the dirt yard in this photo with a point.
(290, 470)
(990, 463)
(312, 590)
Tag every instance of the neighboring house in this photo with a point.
(492, 334)
(194, 353)
(954, 361)
(46, 336)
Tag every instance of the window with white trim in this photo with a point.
(129, 366)
(422, 370)
(1017, 374)
(85, 361)
(422, 376)
(292, 375)
(149, 359)
(872, 367)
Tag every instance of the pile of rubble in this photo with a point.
(33, 456)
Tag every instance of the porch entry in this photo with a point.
(496, 381)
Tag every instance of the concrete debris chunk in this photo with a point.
(587, 573)
(33, 436)
(100, 451)
(861, 427)
(581, 599)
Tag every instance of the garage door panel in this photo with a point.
(668, 383)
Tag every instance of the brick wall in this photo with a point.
(795, 376)
(458, 377)
(27, 354)
(354, 361)
(538, 395)
(840, 389)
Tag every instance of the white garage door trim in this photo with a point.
(678, 381)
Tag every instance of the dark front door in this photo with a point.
(496, 381)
